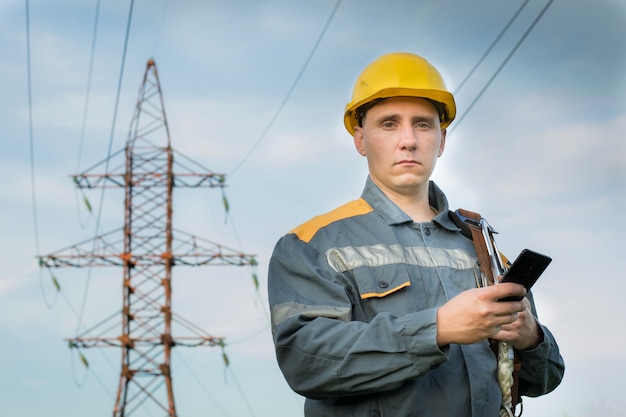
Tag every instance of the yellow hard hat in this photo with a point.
(400, 74)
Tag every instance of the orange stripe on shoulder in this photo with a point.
(307, 230)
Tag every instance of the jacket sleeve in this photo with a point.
(542, 367)
(321, 351)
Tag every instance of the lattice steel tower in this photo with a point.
(147, 248)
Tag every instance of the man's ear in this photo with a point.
(442, 145)
(359, 140)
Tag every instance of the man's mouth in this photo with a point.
(407, 162)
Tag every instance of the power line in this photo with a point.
(31, 143)
(88, 89)
(202, 386)
(81, 384)
(31, 140)
(530, 28)
(493, 44)
(243, 396)
(160, 28)
(293, 87)
(109, 150)
(86, 107)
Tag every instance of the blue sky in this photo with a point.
(540, 155)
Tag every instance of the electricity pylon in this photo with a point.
(147, 248)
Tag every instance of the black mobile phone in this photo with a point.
(526, 270)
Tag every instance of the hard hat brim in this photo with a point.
(444, 97)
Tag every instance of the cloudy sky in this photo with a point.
(253, 90)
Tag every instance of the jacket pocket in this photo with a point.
(381, 282)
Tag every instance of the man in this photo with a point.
(375, 305)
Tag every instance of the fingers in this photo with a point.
(510, 309)
(505, 325)
(504, 292)
(505, 322)
(510, 318)
(521, 332)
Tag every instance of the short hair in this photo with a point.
(363, 109)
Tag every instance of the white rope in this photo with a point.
(505, 377)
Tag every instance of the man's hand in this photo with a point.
(523, 333)
(475, 315)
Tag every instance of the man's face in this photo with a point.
(402, 139)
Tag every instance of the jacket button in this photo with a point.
(383, 284)
(427, 231)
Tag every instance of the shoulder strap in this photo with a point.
(469, 223)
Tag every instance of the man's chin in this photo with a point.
(411, 185)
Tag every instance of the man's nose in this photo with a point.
(408, 138)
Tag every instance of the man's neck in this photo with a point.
(415, 204)
(420, 213)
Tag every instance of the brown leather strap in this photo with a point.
(515, 396)
(479, 243)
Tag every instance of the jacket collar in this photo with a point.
(393, 215)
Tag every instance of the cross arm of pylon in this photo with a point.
(99, 180)
(192, 250)
(108, 250)
(103, 250)
(116, 180)
(190, 173)
(125, 341)
(114, 167)
(195, 180)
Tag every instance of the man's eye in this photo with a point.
(388, 125)
(422, 125)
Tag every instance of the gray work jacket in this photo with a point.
(354, 296)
